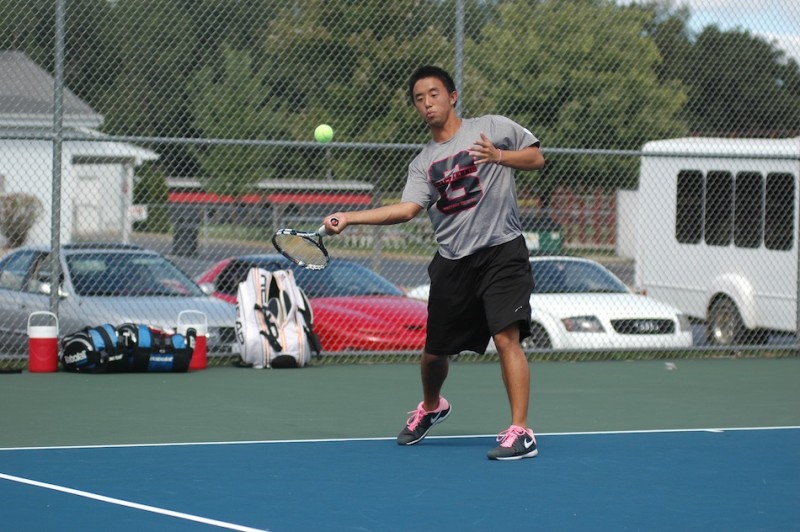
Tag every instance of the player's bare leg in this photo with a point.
(434, 370)
(517, 441)
(516, 373)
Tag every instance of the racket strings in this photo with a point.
(301, 249)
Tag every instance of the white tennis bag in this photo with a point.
(274, 323)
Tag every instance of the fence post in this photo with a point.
(58, 140)
(797, 300)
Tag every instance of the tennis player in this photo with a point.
(481, 279)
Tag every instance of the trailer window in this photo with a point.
(719, 208)
(779, 211)
(748, 210)
(689, 207)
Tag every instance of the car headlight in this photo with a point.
(683, 323)
(588, 324)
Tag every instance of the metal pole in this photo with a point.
(459, 72)
(58, 138)
(797, 290)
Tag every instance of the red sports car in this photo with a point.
(355, 309)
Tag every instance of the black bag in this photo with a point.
(93, 350)
(151, 350)
(127, 348)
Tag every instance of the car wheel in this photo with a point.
(724, 326)
(539, 339)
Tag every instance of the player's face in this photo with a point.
(432, 101)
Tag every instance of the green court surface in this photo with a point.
(223, 404)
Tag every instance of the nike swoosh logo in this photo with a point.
(518, 309)
(435, 418)
(527, 443)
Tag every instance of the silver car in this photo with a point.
(104, 283)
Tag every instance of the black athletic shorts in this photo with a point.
(476, 296)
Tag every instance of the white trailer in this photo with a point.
(717, 231)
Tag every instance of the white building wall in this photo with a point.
(95, 193)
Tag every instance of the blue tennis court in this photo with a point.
(679, 480)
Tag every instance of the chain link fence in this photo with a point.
(186, 128)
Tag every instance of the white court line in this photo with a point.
(128, 504)
(388, 438)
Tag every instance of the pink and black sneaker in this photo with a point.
(421, 421)
(515, 443)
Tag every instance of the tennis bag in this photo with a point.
(128, 348)
(274, 322)
(93, 350)
(154, 351)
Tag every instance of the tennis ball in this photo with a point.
(323, 133)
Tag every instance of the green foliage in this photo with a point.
(150, 189)
(744, 86)
(582, 76)
(738, 84)
(579, 73)
(318, 64)
(28, 25)
(228, 99)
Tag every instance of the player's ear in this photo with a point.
(453, 98)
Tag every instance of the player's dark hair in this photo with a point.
(430, 71)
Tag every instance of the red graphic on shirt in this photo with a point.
(457, 181)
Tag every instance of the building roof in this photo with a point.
(26, 96)
(704, 146)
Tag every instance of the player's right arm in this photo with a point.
(384, 215)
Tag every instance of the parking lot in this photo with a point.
(403, 271)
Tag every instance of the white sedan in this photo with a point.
(578, 305)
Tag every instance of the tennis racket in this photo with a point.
(303, 248)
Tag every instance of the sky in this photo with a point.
(777, 21)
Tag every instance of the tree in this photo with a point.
(319, 62)
(151, 189)
(153, 44)
(669, 29)
(582, 76)
(232, 100)
(738, 83)
(29, 26)
(741, 85)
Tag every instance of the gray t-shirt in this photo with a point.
(470, 206)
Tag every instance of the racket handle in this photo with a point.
(322, 232)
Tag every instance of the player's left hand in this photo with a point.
(485, 152)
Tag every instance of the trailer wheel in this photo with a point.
(724, 326)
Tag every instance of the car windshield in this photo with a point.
(573, 277)
(127, 274)
(344, 279)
